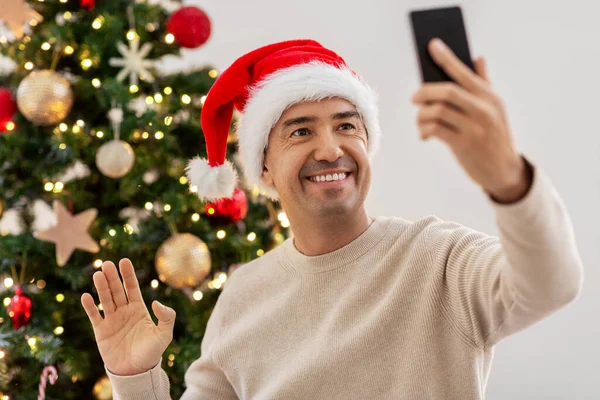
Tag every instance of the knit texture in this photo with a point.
(408, 310)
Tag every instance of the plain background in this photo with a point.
(544, 60)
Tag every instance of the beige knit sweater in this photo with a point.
(408, 310)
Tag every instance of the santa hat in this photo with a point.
(261, 85)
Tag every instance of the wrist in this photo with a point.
(517, 186)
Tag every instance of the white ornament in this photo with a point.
(7, 66)
(11, 223)
(151, 176)
(77, 170)
(140, 106)
(115, 158)
(133, 62)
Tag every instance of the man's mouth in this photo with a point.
(330, 179)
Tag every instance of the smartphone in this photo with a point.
(444, 23)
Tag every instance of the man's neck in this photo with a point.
(314, 238)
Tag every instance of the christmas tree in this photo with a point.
(94, 142)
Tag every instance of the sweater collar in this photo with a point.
(292, 259)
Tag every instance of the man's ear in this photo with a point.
(267, 178)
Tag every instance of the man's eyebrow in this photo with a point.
(298, 121)
(346, 115)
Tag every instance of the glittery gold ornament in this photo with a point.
(183, 261)
(115, 158)
(103, 389)
(45, 97)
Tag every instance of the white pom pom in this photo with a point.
(212, 182)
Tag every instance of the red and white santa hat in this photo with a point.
(261, 85)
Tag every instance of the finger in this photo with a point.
(446, 115)
(114, 283)
(132, 287)
(87, 301)
(165, 316)
(454, 67)
(104, 292)
(451, 93)
(481, 68)
(435, 130)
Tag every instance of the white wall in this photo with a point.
(545, 62)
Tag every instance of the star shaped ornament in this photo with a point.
(15, 13)
(70, 233)
(134, 62)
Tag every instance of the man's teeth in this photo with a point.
(329, 177)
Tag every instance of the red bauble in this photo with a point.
(8, 108)
(190, 26)
(89, 4)
(233, 208)
(19, 309)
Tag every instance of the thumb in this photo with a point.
(480, 65)
(166, 317)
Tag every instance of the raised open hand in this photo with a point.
(129, 341)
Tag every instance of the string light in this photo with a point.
(60, 297)
(63, 127)
(100, 134)
(159, 135)
(3, 39)
(198, 295)
(168, 90)
(98, 263)
(221, 234)
(195, 217)
(154, 284)
(46, 46)
(128, 229)
(67, 15)
(132, 35)
(59, 330)
(211, 210)
(260, 252)
(158, 98)
(183, 180)
(10, 126)
(80, 123)
(48, 186)
(167, 207)
(33, 22)
(213, 73)
(148, 206)
(86, 64)
(194, 189)
(68, 50)
(76, 129)
(171, 357)
(96, 83)
(168, 120)
(100, 307)
(59, 186)
(2, 354)
(186, 99)
(202, 99)
(133, 89)
(8, 282)
(29, 65)
(62, 146)
(251, 236)
(31, 342)
(145, 135)
(169, 38)
(112, 232)
(41, 284)
(222, 277)
(97, 24)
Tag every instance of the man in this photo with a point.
(352, 307)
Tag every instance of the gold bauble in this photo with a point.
(103, 389)
(1, 208)
(115, 158)
(183, 261)
(45, 97)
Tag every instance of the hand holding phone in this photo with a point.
(446, 24)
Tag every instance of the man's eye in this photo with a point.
(347, 126)
(300, 132)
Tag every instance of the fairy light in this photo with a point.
(80, 123)
(183, 180)
(76, 129)
(159, 135)
(48, 186)
(67, 15)
(100, 307)
(97, 24)
(128, 229)
(32, 342)
(168, 120)
(221, 234)
(198, 295)
(132, 35)
(8, 282)
(100, 134)
(3, 39)
(145, 135)
(133, 89)
(33, 22)
(213, 73)
(251, 237)
(10, 126)
(2, 354)
(186, 99)
(62, 146)
(148, 206)
(222, 277)
(59, 330)
(63, 127)
(7, 301)
(149, 100)
(260, 252)
(195, 217)
(96, 83)
(169, 38)
(168, 90)
(59, 186)
(158, 98)
(98, 263)
(167, 207)
(60, 297)
(68, 50)
(217, 284)
(28, 65)
(211, 210)
(46, 46)
(154, 284)
(202, 99)
(41, 284)
(112, 232)
(194, 189)
(86, 64)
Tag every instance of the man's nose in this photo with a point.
(328, 147)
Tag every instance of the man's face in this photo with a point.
(317, 159)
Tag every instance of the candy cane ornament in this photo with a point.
(53, 375)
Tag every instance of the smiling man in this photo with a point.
(353, 306)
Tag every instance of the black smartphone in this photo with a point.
(447, 24)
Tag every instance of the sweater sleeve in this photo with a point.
(153, 384)
(492, 287)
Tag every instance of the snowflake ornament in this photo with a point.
(139, 105)
(133, 62)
